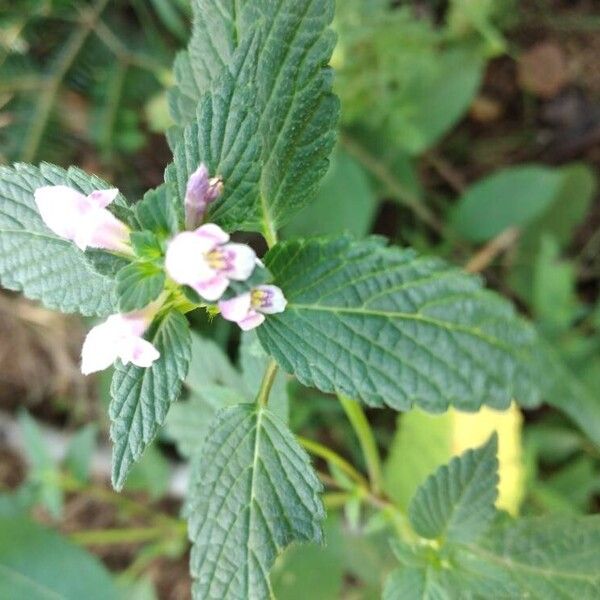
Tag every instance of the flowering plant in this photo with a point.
(374, 324)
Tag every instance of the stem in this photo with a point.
(389, 180)
(363, 431)
(133, 535)
(335, 459)
(62, 64)
(262, 398)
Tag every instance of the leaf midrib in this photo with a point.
(508, 563)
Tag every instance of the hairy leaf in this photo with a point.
(138, 284)
(256, 494)
(141, 397)
(456, 503)
(386, 326)
(295, 109)
(37, 262)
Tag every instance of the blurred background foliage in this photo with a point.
(470, 129)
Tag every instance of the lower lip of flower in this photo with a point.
(260, 299)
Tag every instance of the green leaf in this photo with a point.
(78, 459)
(141, 398)
(546, 557)
(44, 473)
(146, 245)
(224, 135)
(512, 197)
(138, 284)
(386, 326)
(345, 185)
(456, 503)
(257, 493)
(38, 564)
(33, 260)
(295, 111)
(157, 212)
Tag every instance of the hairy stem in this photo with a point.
(129, 535)
(262, 398)
(363, 431)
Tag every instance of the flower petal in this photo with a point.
(99, 228)
(240, 260)
(138, 351)
(185, 261)
(196, 198)
(272, 300)
(102, 198)
(211, 289)
(61, 209)
(236, 309)
(100, 348)
(211, 235)
(253, 320)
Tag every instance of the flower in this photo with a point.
(248, 310)
(83, 219)
(201, 191)
(204, 260)
(120, 336)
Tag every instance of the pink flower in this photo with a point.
(120, 336)
(204, 260)
(83, 219)
(201, 191)
(248, 310)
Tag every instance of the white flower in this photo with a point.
(201, 191)
(120, 336)
(204, 260)
(83, 219)
(248, 310)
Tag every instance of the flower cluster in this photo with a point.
(203, 258)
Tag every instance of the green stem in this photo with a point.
(262, 399)
(335, 459)
(53, 81)
(363, 431)
(130, 535)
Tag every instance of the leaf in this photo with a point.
(78, 459)
(292, 100)
(33, 260)
(257, 493)
(554, 557)
(138, 284)
(44, 473)
(38, 564)
(141, 398)
(385, 326)
(345, 185)
(157, 212)
(224, 136)
(423, 442)
(456, 503)
(512, 197)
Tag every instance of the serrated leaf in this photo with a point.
(146, 245)
(138, 284)
(141, 397)
(554, 557)
(257, 493)
(423, 442)
(456, 503)
(224, 136)
(295, 109)
(35, 261)
(386, 326)
(157, 212)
